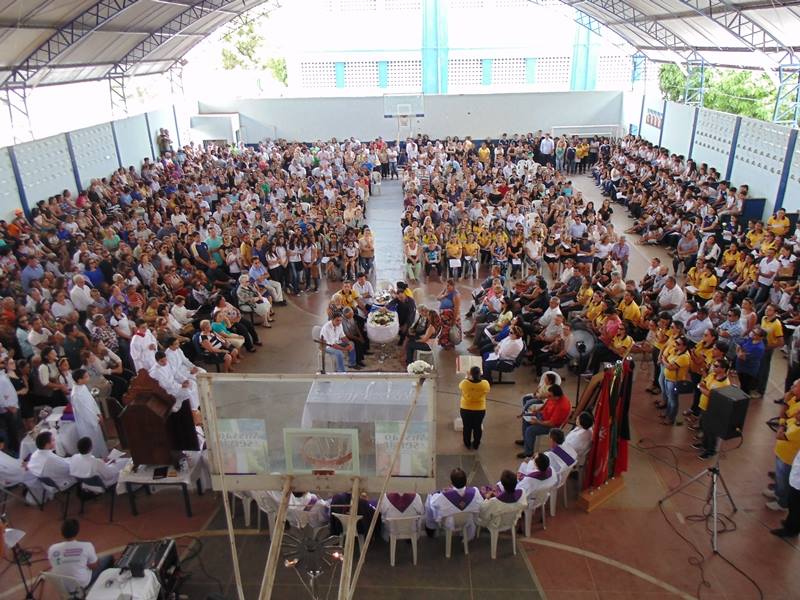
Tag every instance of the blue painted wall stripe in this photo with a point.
(23, 198)
(177, 129)
(787, 165)
(150, 136)
(641, 114)
(530, 71)
(732, 153)
(116, 143)
(486, 71)
(73, 160)
(663, 122)
(383, 73)
(339, 74)
(694, 130)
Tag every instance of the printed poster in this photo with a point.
(415, 454)
(244, 445)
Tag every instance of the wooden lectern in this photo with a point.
(155, 434)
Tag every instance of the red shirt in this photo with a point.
(556, 411)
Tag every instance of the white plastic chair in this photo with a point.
(403, 528)
(344, 521)
(247, 501)
(266, 503)
(461, 522)
(68, 588)
(537, 500)
(508, 522)
(563, 478)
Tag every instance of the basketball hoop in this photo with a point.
(403, 120)
(326, 453)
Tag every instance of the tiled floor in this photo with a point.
(625, 549)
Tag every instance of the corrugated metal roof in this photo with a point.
(44, 42)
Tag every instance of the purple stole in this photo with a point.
(541, 475)
(563, 455)
(310, 505)
(401, 501)
(459, 501)
(510, 498)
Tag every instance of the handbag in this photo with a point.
(455, 335)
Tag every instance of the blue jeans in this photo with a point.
(529, 434)
(338, 355)
(782, 482)
(671, 393)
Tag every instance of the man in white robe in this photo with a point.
(12, 473)
(508, 499)
(580, 438)
(44, 462)
(562, 457)
(87, 413)
(441, 506)
(143, 347)
(395, 505)
(180, 388)
(536, 475)
(181, 365)
(84, 466)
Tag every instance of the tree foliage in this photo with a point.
(243, 46)
(736, 91)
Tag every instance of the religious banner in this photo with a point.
(244, 445)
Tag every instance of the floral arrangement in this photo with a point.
(382, 318)
(419, 367)
(383, 296)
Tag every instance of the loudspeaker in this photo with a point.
(726, 412)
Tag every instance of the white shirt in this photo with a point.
(81, 297)
(8, 395)
(332, 334)
(364, 291)
(142, 354)
(557, 463)
(532, 485)
(546, 145)
(86, 466)
(72, 558)
(509, 348)
(769, 268)
(173, 384)
(492, 510)
(671, 296)
(794, 474)
(46, 463)
(62, 310)
(87, 419)
(579, 439)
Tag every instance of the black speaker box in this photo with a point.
(726, 412)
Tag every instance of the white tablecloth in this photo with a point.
(112, 584)
(362, 402)
(383, 334)
(197, 471)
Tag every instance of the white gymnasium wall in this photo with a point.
(652, 118)
(214, 127)
(478, 115)
(678, 122)
(162, 119)
(133, 140)
(713, 139)
(760, 154)
(45, 168)
(9, 194)
(95, 154)
(791, 201)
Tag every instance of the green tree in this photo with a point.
(278, 68)
(243, 46)
(736, 91)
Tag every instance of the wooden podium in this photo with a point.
(155, 434)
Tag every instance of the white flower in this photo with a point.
(419, 367)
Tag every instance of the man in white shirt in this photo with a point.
(181, 365)
(76, 559)
(671, 297)
(365, 294)
(507, 350)
(9, 406)
(580, 438)
(337, 344)
(85, 465)
(546, 147)
(38, 336)
(143, 347)
(179, 387)
(44, 462)
(508, 499)
(441, 506)
(81, 294)
(767, 272)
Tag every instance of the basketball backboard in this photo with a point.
(403, 105)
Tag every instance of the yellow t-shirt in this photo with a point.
(661, 338)
(484, 238)
(453, 250)
(712, 383)
(706, 286)
(778, 226)
(427, 238)
(754, 238)
(622, 345)
(774, 331)
(702, 357)
(631, 312)
(693, 277)
(471, 249)
(730, 258)
(473, 395)
(786, 449)
(594, 311)
(347, 299)
(483, 154)
(680, 362)
(584, 296)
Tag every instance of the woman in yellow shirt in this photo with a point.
(676, 375)
(454, 252)
(717, 378)
(472, 254)
(474, 390)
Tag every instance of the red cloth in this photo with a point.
(556, 411)
(597, 464)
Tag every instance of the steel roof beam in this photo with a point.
(66, 37)
(738, 24)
